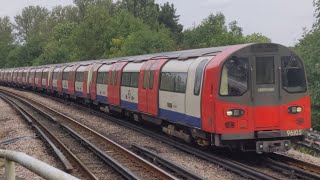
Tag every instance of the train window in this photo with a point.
(146, 76)
(181, 82)
(265, 70)
(125, 80)
(134, 81)
(199, 76)
(151, 79)
(38, 74)
(167, 82)
(173, 82)
(44, 75)
(55, 75)
(293, 76)
(234, 77)
(65, 75)
(102, 78)
(130, 79)
(79, 76)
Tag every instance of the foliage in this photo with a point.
(6, 36)
(308, 49)
(213, 31)
(92, 29)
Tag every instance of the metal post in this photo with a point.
(9, 170)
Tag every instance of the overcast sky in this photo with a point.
(281, 20)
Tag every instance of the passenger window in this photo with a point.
(199, 76)
(65, 75)
(134, 81)
(167, 82)
(265, 70)
(173, 82)
(100, 78)
(79, 76)
(125, 81)
(44, 75)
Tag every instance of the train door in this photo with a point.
(93, 85)
(194, 90)
(265, 93)
(149, 86)
(115, 83)
(72, 79)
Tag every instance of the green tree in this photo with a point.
(143, 42)
(213, 31)
(256, 38)
(169, 18)
(147, 10)
(7, 39)
(33, 22)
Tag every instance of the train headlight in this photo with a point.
(299, 109)
(229, 113)
(294, 109)
(235, 112)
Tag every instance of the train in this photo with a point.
(248, 97)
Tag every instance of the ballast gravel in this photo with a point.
(128, 137)
(17, 135)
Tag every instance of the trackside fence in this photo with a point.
(42, 169)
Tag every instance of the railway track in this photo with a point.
(228, 164)
(237, 167)
(96, 155)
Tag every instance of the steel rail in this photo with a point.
(67, 165)
(155, 171)
(292, 166)
(228, 164)
(61, 145)
(178, 170)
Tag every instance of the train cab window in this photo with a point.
(79, 76)
(174, 82)
(199, 76)
(293, 75)
(234, 77)
(65, 75)
(265, 70)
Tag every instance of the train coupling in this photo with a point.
(272, 146)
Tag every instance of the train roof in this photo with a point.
(181, 55)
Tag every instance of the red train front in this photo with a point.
(255, 98)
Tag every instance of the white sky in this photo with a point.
(281, 20)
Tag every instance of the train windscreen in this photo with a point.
(234, 77)
(293, 75)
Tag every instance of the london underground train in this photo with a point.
(251, 97)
